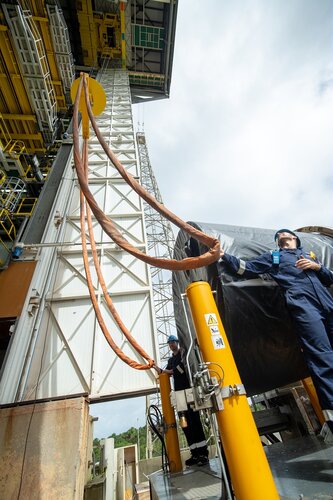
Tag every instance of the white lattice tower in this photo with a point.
(161, 242)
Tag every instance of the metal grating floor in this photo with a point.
(302, 469)
(194, 483)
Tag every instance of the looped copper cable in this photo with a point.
(113, 345)
(108, 226)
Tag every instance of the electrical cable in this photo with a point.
(109, 227)
(101, 322)
(221, 377)
(81, 164)
(155, 421)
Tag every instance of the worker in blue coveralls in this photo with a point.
(194, 433)
(304, 282)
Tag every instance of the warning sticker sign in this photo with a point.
(214, 330)
(218, 342)
(211, 319)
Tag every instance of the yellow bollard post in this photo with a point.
(249, 469)
(123, 34)
(312, 393)
(171, 436)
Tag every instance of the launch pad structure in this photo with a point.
(54, 358)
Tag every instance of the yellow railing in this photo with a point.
(7, 225)
(25, 207)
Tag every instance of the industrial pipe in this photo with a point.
(249, 469)
(171, 435)
(312, 393)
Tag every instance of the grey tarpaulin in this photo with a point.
(257, 323)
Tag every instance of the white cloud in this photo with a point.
(245, 138)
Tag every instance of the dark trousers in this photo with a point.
(315, 330)
(194, 433)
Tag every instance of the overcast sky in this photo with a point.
(246, 136)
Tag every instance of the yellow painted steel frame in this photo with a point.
(26, 207)
(123, 38)
(171, 436)
(311, 391)
(7, 225)
(17, 114)
(88, 33)
(250, 473)
(42, 24)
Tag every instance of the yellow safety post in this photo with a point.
(123, 34)
(171, 436)
(97, 100)
(312, 393)
(249, 469)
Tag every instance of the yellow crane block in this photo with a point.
(97, 100)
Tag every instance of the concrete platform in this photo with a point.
(302, 469)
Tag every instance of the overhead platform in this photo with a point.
(302, 468)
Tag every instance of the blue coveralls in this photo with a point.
(311, 307)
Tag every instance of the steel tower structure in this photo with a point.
(160, 239)
(54, 360)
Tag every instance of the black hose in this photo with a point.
(155, 421)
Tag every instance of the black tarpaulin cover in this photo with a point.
(256, 321)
